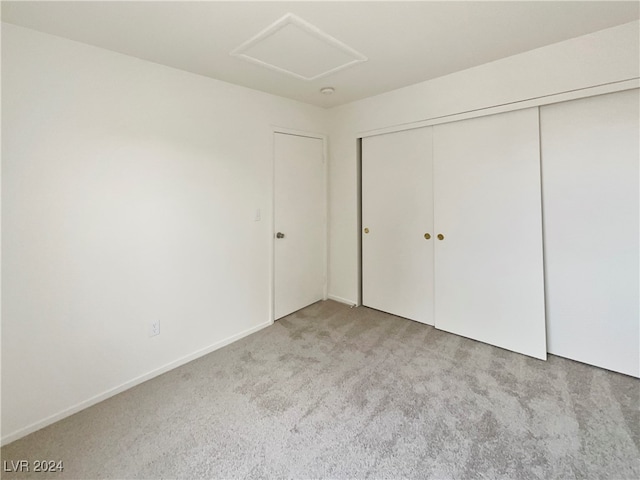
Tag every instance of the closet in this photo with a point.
(397, 247)
(489, 282)
(452, 230)
(517, 229)
(590, 168)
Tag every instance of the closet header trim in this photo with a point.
(508, 107)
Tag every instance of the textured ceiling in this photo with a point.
(405, 42)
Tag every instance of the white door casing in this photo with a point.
(300, 215)
(397, 212)
(487, 197)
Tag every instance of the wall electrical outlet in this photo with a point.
(154, 328)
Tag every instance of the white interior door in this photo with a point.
(397, 212)
(300, 223)
(590, 155)
(489, 266)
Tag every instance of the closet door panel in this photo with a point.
(489, 267)
(590, 156)
(397, 212)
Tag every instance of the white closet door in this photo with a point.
(590, 155)
(488, 268)
(299, 219)
(397, 212)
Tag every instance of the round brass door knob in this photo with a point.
(427, 236)
(440, 236)
(366, 230)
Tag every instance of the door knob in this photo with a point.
(427, 236)
(440, 236)
(366, 230)
(279, 235)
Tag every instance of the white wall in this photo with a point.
(603, 57)
(129, 195)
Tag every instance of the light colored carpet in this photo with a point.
(334, 392)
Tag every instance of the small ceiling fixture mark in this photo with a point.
(281, 47)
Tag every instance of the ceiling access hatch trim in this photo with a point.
(319, 54)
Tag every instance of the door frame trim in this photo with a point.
(325, 221)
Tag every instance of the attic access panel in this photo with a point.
(295, 47)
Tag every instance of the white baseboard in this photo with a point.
(127, 385)
(342, 300)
